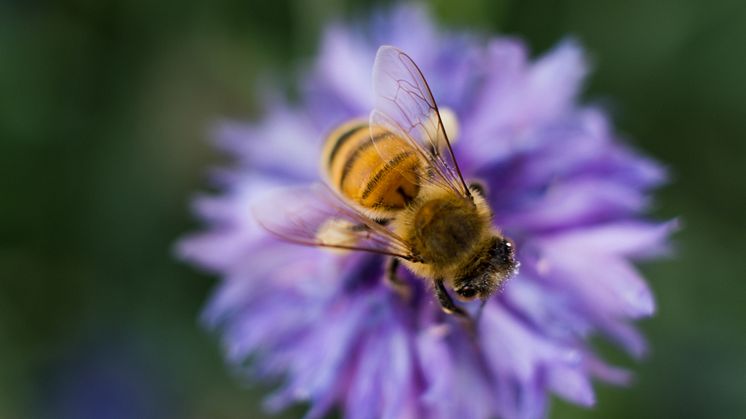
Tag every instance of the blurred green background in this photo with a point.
(104, 113)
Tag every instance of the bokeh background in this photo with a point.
(105, 112)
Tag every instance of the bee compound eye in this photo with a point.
(467, 292)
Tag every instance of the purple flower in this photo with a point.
(561, 185)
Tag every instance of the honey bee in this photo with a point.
(393, 187)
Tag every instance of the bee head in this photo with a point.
(487, 272)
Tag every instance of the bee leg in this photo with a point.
(450, 307)
(479, 187)
(395, 281)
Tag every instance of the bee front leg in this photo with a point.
(447, 304)
(479, 187)
(395, 281)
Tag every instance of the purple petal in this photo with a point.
(285, 145)
(445, 367)
(572, 384)
(522, 99)
(344, 70)
(609, 284)
(573, 204)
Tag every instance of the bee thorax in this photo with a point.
(444, 230)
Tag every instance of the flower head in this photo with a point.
(561, 185)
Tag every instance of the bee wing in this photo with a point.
(405, 106)
(316, 216)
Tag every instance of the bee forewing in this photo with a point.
(405, 105)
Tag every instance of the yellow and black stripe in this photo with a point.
(371, 167)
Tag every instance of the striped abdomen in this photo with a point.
(373, 168)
